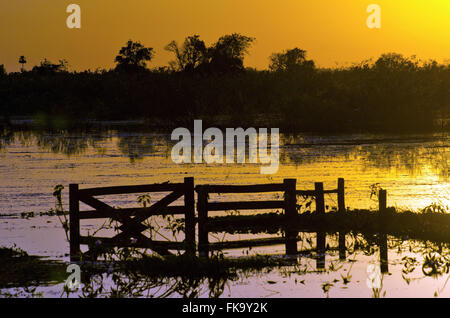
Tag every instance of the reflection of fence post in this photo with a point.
(382, 206)
(342, 247)
(320, 250)
(74, 219)
(320, 199)
(290, 199)
(384, 253)
(189, 218)
(290, 210)
(341, 195)
(202, 208)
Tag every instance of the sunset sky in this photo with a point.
(333, 32)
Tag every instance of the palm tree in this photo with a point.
(22, 61)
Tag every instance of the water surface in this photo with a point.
(413, 168)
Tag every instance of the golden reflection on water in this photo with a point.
(414, 169)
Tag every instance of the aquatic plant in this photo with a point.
(59, 209)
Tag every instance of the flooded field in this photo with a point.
(410, 269)
(413, 169)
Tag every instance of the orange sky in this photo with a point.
(331, 31)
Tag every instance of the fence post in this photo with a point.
(290, 210)
(189, 218)
(74, 219)
(382, 201)
(202, 208)
(320, 198)
(341, 195)
(290, 198)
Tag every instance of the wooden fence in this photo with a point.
(319, 194)
(131, 219)
(288, 204)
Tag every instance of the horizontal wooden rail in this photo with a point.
(256, 188)
(244, 205)
(161, 187)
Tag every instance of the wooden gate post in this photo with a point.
(202, 208)
(341, 196)
(320, 198)
(74, 223)
(290, 198)
(189, 217)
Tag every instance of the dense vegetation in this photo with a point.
(393, 93)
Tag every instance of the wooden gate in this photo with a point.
(131, 219)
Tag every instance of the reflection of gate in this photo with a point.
(131, 219)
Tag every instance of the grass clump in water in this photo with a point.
(20, 269)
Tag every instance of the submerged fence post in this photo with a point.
(189, 218)
(341, 195)
(74, 223)
(290, 209)
(202, 208)
(320, 198)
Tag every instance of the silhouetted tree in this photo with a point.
(234, 45)
(227, 55)
(2, 70)
(22, 61)
(395, 62)
(47, 67)
(190, 55)
(133, 56)
(290, 60)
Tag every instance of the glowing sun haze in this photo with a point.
(331, 31)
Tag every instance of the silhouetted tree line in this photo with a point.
(393, 93)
